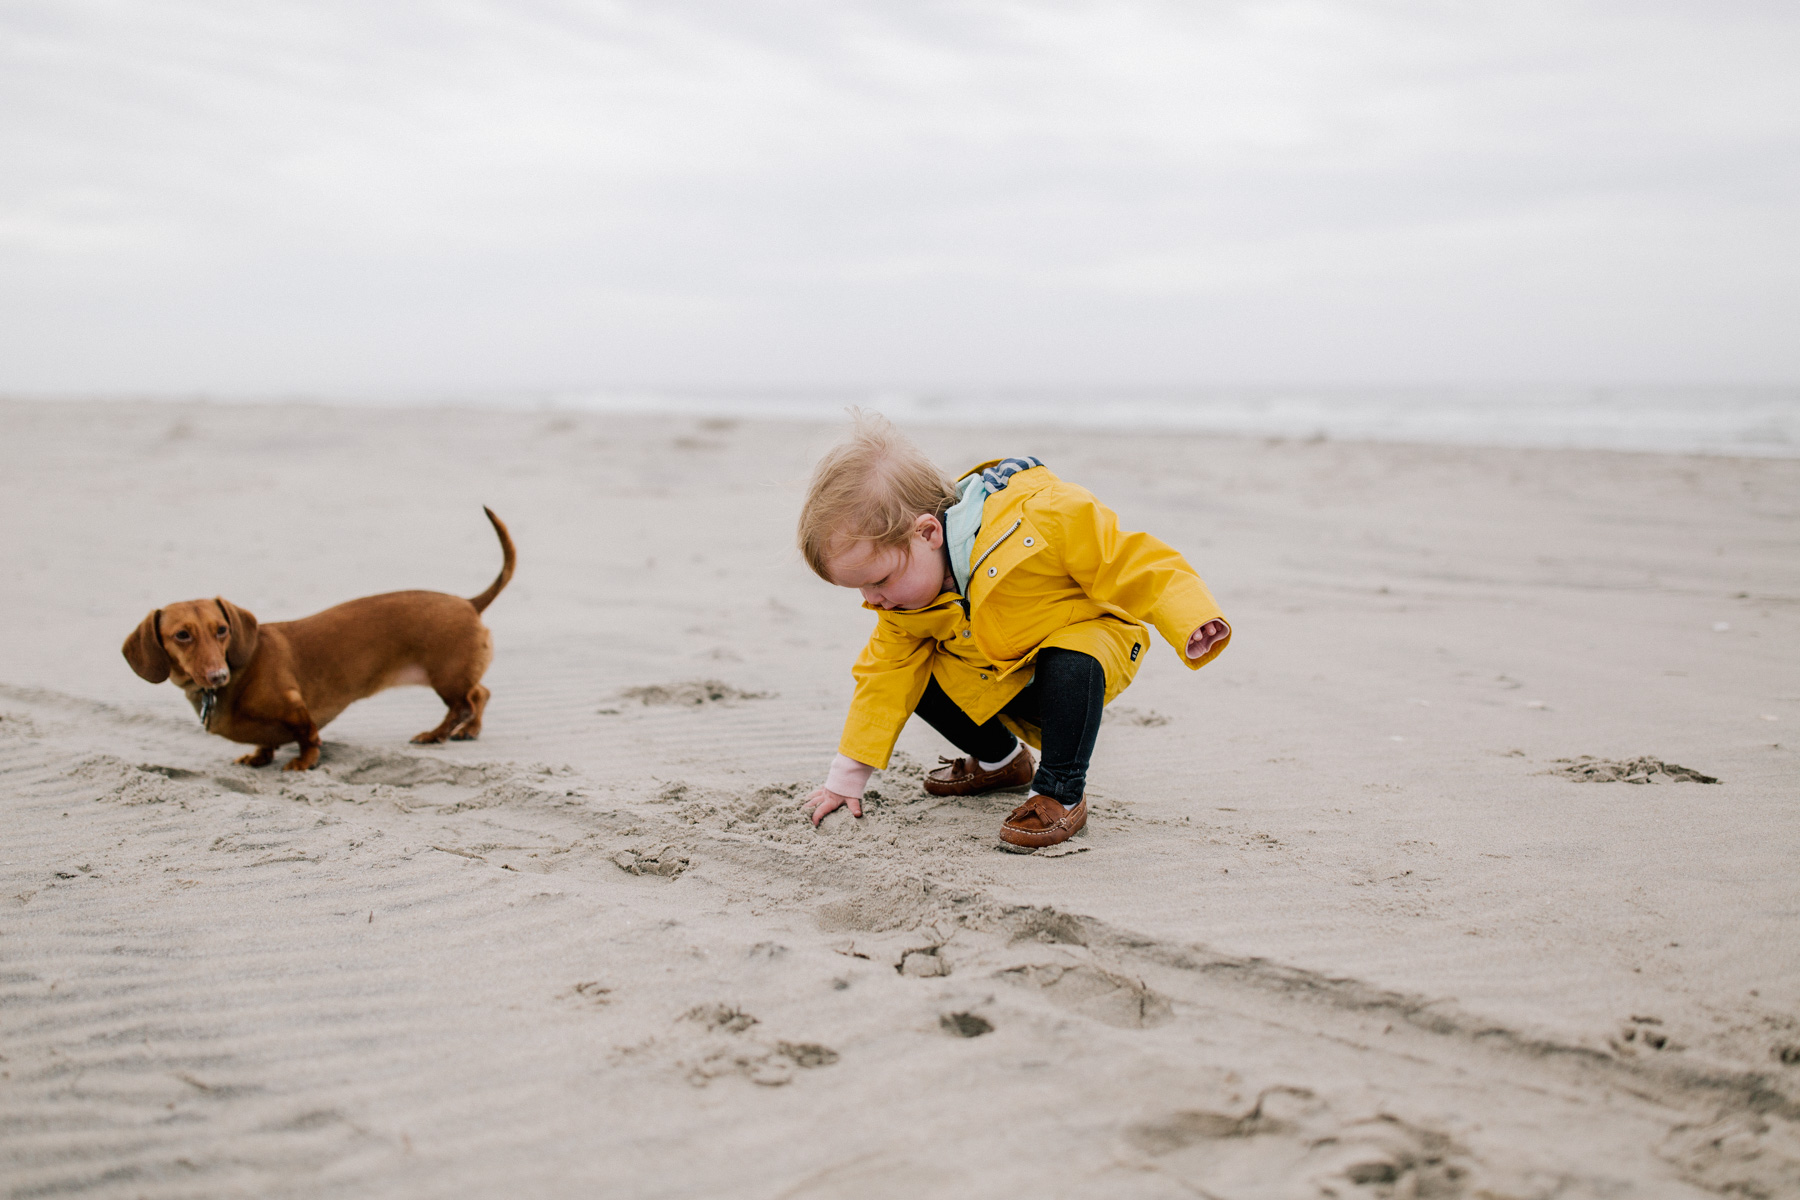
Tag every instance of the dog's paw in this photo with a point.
(261, 758)
(431, 738)
(300, 765)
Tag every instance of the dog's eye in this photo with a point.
(223, 630)
(182, 635)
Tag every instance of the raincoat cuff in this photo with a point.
(1177, 622)
(848, 777)
(867, 744)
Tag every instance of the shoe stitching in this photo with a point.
(1066, 819)
(1068, 816)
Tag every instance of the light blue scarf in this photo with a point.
(962, 522)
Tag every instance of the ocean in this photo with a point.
(1750, 422)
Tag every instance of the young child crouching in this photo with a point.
(1011, 606)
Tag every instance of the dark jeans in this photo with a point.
(1063, 699)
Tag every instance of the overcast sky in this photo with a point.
(403, 197)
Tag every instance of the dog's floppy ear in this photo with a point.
(243, 633)
(144, 649)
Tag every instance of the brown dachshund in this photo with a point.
(267, 685)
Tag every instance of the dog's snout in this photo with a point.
(218, 678)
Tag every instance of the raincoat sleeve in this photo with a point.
(1135, 573)
(890, 675)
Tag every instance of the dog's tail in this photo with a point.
(506, 567)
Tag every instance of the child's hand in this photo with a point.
(1206, 637)
(824, 801)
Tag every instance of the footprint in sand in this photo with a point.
(720, 1017)
(1291, 1136)
(725, 1047)
(924, 963)
(352, 765)
(965, 1024)
(691, 693)
(1740, 1154)
(664, 861)
(1641, 1033)
(1133, 716)
(1111, 999)
(590, 994)
(1586, 769)
(806, 1055)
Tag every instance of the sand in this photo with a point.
(1352, 916)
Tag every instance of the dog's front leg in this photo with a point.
(308, 758)
(300, 722)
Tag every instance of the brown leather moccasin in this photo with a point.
(964, 776)
(1041, 821)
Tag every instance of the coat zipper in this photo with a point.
(984, 554)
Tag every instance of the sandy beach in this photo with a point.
(1348, 919)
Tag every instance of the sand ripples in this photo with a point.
(416, 974)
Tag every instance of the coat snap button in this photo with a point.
(965, 633)
(1028, 541)
(993, 571)
(984, 674)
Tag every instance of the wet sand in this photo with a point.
(1344, 922)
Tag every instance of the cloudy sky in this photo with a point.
(354, 198)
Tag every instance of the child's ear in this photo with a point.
(931, 529)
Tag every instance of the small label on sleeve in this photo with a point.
(1135, 647)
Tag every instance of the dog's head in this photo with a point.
(196, 642)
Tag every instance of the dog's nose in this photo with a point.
(218, 678)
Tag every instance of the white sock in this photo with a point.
(1066, 807)
(995, 766)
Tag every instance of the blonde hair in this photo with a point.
(872, 487)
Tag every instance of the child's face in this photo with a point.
(893, 576)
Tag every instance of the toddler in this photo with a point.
(1011, 609)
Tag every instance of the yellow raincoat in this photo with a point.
(1051, 568)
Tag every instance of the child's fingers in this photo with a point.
(823, 803)
(828, 803)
